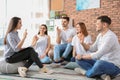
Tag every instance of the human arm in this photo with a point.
(58, 39)
(34, 40)
(85, 45)
(22, 40)
(104, 48)
(14, 40)
(74, 52)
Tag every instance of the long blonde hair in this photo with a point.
(12, 25)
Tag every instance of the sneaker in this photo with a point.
(80, 71)
(46, 70)
(22, 71)
(64, 62)
(55, 65)
(105, 77)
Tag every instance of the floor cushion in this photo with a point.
(8, 67)
(71, 65)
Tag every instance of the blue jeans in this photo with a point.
(98, 67)
(63, 49)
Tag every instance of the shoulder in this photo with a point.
(88, 36)
(11, 34)
(75, 37)
(47, 36)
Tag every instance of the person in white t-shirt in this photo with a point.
(41, 43)
(64, 38)
(104, 58)
(82, 33)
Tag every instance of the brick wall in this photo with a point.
(107, 7)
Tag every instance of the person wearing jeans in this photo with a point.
(14, 52)
(98, 67)
(63, 40)
(41, 44)
(105, 53)
(63, 48)
(82, 33)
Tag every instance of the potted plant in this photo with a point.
(57, 15)
(63, 15)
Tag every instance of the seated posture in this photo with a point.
(105, 56)
(14, 52)
(82, 34)
(41, 43)
(64, 38)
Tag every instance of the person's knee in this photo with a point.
(56, 47)
(99, 64)
(69, 45)
(30, 48)
(9, 60)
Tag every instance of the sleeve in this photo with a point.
(94, 46)
(13, 42)
(88, 40)
(73, 41)
(105, 47)
(73, 32)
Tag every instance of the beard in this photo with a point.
(99, 30)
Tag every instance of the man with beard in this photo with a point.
(63, 40)
(105, 56)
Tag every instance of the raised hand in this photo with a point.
(25, 34)
(35, 38)
(58, 31)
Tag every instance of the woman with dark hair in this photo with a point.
(41, 44)
(82, 34)
(13, 48)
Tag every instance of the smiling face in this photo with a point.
(42, 29)
(64, 23)
(78, 28)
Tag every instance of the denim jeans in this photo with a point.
(98, 67)
(62, 49)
